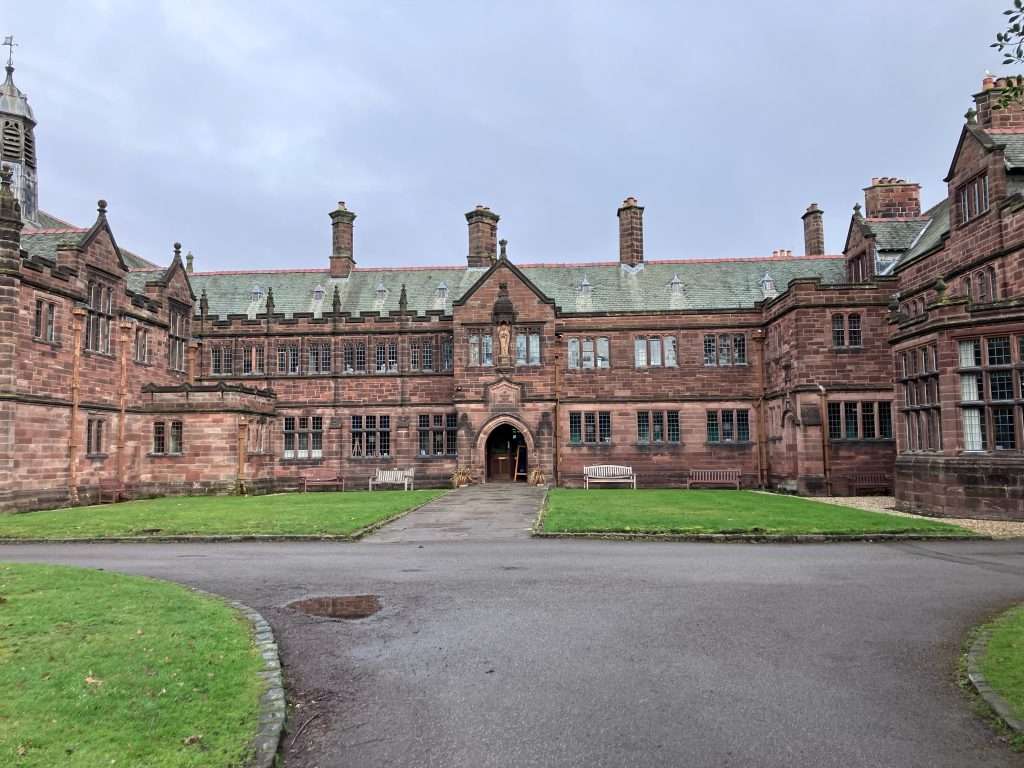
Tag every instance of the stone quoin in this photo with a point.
(901, 358)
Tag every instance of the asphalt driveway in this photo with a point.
(556, 653)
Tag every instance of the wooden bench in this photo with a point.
(714, 477)
(403, 477)
(109, 491)
(323, 482)
(871, 481)
(608, 473)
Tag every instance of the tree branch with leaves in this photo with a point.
(1011, 44)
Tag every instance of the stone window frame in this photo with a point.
(222, 359)
(434, 429)
(981, 286)
(734, 345)
(289, 358)
(479, 347)
(319, 358)
(528, 333)
(140, 349)
(168, 438)
(385, 356)
(354, 356)
(305, 434)
(987, 424)
(253, 355)
(858, 420)
(44, 324)
(847, 330)
(426, 353)
(578, 361)
(95, 429)
(716, 423)
(590, 427)
(973, 199)
(370, 436)
(177, 336)
(99, 319)
(665, 344)
(651, 424)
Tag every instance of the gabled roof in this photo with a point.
(895, 234)
(43, 240)
(706, 284)
(935, 229)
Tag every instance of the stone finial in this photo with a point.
(336, 301)
(971, 116)
(403, 299)
(940, 288)
(856, 211)
(503, 253)
(177, 251)
(10, 208)
(189, 262)
(204, 304)
(101, 208)
(270, 301)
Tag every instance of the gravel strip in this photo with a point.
(997, 529)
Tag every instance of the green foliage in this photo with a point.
(714, 511)
(1011, 44)
(310, 514)
(100, 669)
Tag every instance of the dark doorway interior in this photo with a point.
(506, 455)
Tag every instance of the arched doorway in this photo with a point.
(506, 454)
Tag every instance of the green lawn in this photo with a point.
(1003, 662)
(100, 669)
(715, 511)
(338, 514)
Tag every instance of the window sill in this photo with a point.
(96, 456)
(96, 353)
(47, 342)
(658, 445)
(868, 440)
(847, 350)
(729, 444)
(304, 462)
(608, 445)
(435, 457)
(371, 458)
(167, 455)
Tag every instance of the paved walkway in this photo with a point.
(474, 513)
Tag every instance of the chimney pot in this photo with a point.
(891, 197)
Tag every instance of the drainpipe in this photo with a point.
(825, 457)
(558, 366)
(126, 340)
(77, 322)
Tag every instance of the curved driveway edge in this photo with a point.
(998, 704)
(263, 746)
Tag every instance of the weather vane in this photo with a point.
(9, 42)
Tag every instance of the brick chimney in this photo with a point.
(1010, 117)
(814, 231)
(483, 236)
(342, 260)
(631, 232)
(892, 198)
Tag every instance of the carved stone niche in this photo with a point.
(504, 396)
(503, 315)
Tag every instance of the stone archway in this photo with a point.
(495, 427)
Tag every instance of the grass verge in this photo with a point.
(101, 669)
(287, 514)
(1003, 663)
(699, 512)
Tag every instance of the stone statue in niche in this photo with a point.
(504, 342)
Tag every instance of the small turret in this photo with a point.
(17, 142)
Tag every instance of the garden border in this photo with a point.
(997, 703)
(262, 748)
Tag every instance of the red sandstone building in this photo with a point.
(903, 358)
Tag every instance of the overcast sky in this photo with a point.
(236, 127)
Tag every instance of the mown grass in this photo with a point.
(718, 511)
(101, 669)
(310, 514)
(1003, 662)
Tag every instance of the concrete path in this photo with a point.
(475, 513)
(527, 653)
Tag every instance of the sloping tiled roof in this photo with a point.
(1012, 145)
(576, 288)
(895, 234)
(936, 226)
(43, 241)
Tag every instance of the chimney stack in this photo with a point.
(814, 231)
(1009, 117)
(342, 259)
(483, 236)
(631, 232)
(891, 198)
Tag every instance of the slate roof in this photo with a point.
(895, 235)
(1012, 145)
(936, 226)
(43, 241)
(722, 284)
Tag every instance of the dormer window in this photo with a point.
(442, 291)
(318, 293)
(675, 285)
(768, 289)
(382, 291)
(584, 288)
(973, 197)
(256, 294)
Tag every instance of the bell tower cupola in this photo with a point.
(17, 141)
